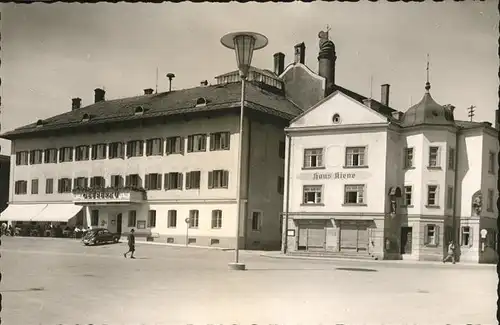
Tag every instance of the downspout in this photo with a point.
(455, 189)
(247, 214)
(287, 203)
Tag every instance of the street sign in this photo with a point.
(187, 220)
(484, 232)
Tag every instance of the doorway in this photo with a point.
(406, 240)
(119, 223)
(353, 237)
(312, 236)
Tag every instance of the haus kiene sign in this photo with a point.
(333, 176)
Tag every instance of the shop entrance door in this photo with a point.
(119, 223)
(406, 240)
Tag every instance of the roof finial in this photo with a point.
(328, 31)
(427, 84)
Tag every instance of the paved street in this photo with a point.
(52, 281)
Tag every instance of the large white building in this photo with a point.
(366, 180)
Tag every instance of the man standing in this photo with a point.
(131, 244)
(451, 253)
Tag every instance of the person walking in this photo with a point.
(451, 253)
(131, 244)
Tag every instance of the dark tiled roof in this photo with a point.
(428, 112)
(472, 125)
(168, 104)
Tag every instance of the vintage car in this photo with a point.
(100, 236)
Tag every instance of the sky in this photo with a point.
(54, 52)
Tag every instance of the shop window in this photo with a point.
(132, 218)
(152, 218)
(94, 218)
(216, 219)
(431, 235)
(313, 158)
(466, 236)
(313, 194)
(194, 218)
(172, 219)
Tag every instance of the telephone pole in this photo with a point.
(471, 112)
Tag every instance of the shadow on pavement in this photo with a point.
(24, 290)
(355, 269)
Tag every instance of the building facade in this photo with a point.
(4, 181)
(363, 182)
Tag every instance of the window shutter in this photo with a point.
(168, 147)
(227, 143)
(149, 147)
(470, 237)
(203, 142)
(60, 155)
(190, 144)
(179, 181)
(225, 179)
(129, 149)
(92, 181)
(119, 150)
(181, 145)
(160, 146)
(141, 147)
(436, 234)
(147, 182)
(167, 182)
(158, 182)
(127, 180)
(210, 179)
(188, 180)
(426, 235)
(212, 141)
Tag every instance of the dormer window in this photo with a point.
(39, 123)
(85, 117)
(139, 110)
(201, 102)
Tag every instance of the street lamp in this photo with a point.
(243, 43)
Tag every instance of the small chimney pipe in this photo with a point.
(385, 94)
(170, 76)
(279, 63)
(204, 83)
(148, 91)
(76, 103)
(300, 53)
(99, 95)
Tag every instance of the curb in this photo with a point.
(142, 242)
(390, 262)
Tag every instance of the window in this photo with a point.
(99, 151)
(451, 158)
(22, 158)
(97, 181)
(281, 149)
(34, 186)
(116, 181)
(153, 182)
(49, 186)
(216, 219)
(489, 202)
(193, 180)
(355, 157)
(135, 148)
(50, 156)
(21, 187)
(214, 241)
(172, 219)
(408, 154)
(173, 181)
(256, 220)
(94, 218)
(281, 185)
(433, 157)
(64, 185)
(220, 141)
(313, 158)
(432, 195)
(36, 157)
(354, 194)
(115, 150)
(154, 147)
(449, 198)
(491, 162)
(431, 235)
(152, 218)
(218, 179)
(132, 218)
(197, 143)
(133, 180)
(66, 154)
(313, 194)
(408, 195)
(82, 153)
(194, 218)
(175, 145)
(80, 182)
(465, 236)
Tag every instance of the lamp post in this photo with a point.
(243, 43)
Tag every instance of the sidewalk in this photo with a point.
(279, 255)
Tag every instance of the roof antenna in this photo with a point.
(328, 29)
(471, 112)
(371, 87)
(427, 84)
(156, 88)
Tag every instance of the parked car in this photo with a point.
(100, 236)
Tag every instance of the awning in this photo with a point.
(21, 212)
(58, 213)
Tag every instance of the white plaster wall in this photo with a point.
(413, 177)
(470, 170)
(489, 180)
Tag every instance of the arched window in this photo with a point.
(201, 101)
(336, 118)
(85, 117)
(139, 110)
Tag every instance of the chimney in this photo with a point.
(385, 95)
(99, 95)
(397, 115)
(451, 108)
(497, 119)
(326, 62)
(368, 102)
(279, 63)
(148, 91)
(300, 53)
(76, 103)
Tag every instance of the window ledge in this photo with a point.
(173, 153)
(433, 207)
(222, 149)
(313, 168)
(355, 167)
(116, 157)
(434, 167)
(354, 205)
(313, 204)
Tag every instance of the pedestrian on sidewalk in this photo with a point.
(131, 244)
(451, 253)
